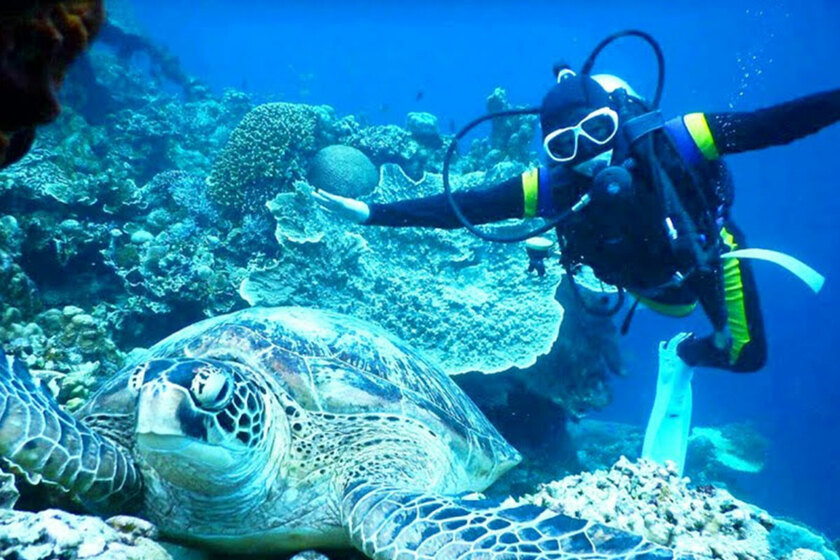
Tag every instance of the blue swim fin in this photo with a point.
(666, 436)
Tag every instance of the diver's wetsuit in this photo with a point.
(624, 240)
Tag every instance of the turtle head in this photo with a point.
(201, 425)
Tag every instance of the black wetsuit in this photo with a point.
(625, 241)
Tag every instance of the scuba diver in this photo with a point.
(645, 203)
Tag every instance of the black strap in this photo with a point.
(625, 325)
(642, 125)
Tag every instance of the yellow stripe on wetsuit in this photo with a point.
(698, 127)
(669, 309)
(530, 191)
(735, 308)
(734, 290)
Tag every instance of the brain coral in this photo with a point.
(266, 153)
(343, 170)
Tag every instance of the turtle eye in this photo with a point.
(211, 388)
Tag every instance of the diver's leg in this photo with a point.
(740, 285)
(666, 436)
(745, 348)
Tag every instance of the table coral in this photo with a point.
(468, 304)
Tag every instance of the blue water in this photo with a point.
(383, 59)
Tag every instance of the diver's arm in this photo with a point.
(774, 126)
(499, 202)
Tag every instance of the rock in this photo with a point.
(178, 552)
(708, 524)
(422, 125)
(314, 555)
(787, 537)
(141, 237)
(56, 534)
(133, 526)
(716, 454)
(804, 554)
(738, 447)
(8, 491)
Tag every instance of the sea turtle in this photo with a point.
(283, 429)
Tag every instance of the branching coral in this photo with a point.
(266, 153)
(392, 144)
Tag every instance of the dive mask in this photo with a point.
(599, 127)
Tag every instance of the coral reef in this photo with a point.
(450, 294)
(652, 500)
(121, 225)
(599, 444)
(511, 138)
(343, 170)
(266, 153)
(8, 491)
(173, 253)
(38, 40)
(95, 182)
(56, 534)
(424, 128)
(70, 350)
(392, 144)
(576, 372)
(121, 212)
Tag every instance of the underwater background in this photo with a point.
(384, 59)
(381, 60)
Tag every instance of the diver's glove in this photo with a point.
(666, 437)
(348, 208)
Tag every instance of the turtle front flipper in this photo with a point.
(46, 444)
(387, 522)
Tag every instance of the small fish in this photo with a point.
(419, 95)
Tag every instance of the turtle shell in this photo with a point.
(334, 363)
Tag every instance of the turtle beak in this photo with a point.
(164, 409)
(171, 434)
